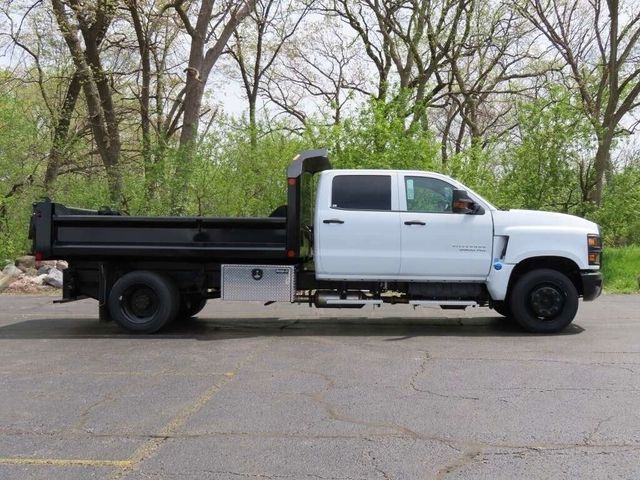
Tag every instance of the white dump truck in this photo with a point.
(345, 239)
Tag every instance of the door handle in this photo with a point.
(333, 220)
(414, 222)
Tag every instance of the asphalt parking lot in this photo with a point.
(289, 392)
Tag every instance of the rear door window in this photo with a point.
(361, 192)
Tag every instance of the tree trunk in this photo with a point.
(145, 97)
(253, 125)
(111, 153)
(601, 166)
(61, 133)
(97, 91)
(198, 70)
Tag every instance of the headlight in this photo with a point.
(594, 248)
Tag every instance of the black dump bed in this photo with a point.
(61, 232)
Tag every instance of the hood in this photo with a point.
(504, 220)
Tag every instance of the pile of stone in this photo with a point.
(26, 275)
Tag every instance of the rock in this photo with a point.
(37, 280)
(48, 263)
(54, 278)
(25, 262)
(31, 272)
(44, 269)
(62, 265)
(6, 281)
(12, 271)
(26, 284)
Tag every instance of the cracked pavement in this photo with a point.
(289, 392)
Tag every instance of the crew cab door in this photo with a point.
(357, 226)
(436, 243)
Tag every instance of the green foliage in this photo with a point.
(378, 136)
(619, 214)
(621, 269)
(233, 179)
(473, 167)
(20, 151)
(542, 171)
(227, 176)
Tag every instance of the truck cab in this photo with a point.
(429, 230)
(399, 225)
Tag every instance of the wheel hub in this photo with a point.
(546, 301)
(140, 302)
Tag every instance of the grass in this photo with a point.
(621, 269)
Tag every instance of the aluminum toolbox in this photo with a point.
(265, 283)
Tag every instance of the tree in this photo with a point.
(209, 36)
(320, 69)
(599, 43)
(269, 27)
(90, 22)
(489, 71)
(27, 34)
(411, 39)
(546, 167)
(144, 98)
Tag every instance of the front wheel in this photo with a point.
(544, 301)
(502, 308)
(143, 301)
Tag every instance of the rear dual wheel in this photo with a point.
(190, 305)
(143, 301)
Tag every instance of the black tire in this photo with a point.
(544, 301)
(502, 308)
(190, 306)
(143, 301)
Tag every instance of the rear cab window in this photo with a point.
(361, 192)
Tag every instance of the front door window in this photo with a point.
(428, 195)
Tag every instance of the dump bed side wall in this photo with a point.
(98, 236)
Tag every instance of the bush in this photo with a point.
(378, 136)
(618, 216)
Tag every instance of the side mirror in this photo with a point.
(463, 204)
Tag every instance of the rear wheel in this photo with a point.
(544, 301)
(190, 306)
(143, 301)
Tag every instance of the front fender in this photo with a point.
(527, 243)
